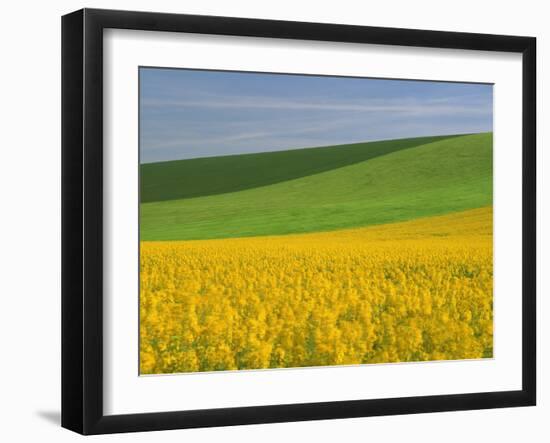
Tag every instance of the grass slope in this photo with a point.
(443, 176)
(180, 179)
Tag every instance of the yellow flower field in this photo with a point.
(411, 291)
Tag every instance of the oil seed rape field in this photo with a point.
(409, 291)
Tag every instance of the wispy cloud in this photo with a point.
(238, 133)
(409, 106)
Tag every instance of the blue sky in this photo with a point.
(193, 113)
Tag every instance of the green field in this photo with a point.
(198, 177)
(315, 189)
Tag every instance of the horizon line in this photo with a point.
(312, 147)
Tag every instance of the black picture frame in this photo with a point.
(82, 221)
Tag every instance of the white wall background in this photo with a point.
(30, 218)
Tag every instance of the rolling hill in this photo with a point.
(174, 180)
(396, 181)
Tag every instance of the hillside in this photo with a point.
(437, 177)
(198, 177)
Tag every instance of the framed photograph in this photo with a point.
(268, 221)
